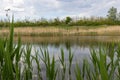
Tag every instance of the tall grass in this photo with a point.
(62, 61)
(51, 71)
(16, 63)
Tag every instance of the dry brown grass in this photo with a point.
(38, 31)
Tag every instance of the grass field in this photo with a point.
(54, 31)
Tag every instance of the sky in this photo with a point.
(35, 9)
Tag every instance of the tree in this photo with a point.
(118, 16)
(57, 21)
(112, 13)
(68, 20)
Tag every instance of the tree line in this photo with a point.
(112, 18)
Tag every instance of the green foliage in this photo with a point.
(68, 20)
(51, 72)
(104, 63)
(70, 62)
(78, 73)
(93, 21)
(62, 61)
(112, 13)
(113, 18)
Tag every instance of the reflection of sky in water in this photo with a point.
(79, 52)
(80, 46)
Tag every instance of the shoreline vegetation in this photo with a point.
(64, 22)
(55, 31)
(68, 26)
(16, 63)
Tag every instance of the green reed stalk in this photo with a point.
(78, 73)
(37, 60)
(28, 63)
(70, 62)
(105, 62)
(62, 61)
(51, 71)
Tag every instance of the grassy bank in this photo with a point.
(65, 22)
(72, 31)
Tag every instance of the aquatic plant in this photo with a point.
(16, 62)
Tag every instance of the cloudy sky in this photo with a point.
(57, 8)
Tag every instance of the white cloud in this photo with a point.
(100, 8)
(13, 5)
(58, 8)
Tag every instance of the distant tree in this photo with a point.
(44, 22)
(57, 21)
(118, 16)
(68, 20)
(112, 13)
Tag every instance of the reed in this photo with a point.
(63, 64)
(51, 71)
(16, 62)
(70, 63)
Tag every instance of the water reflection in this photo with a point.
(80, 45)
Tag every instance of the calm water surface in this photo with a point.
(80, 46)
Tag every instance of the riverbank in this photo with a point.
(55, 31)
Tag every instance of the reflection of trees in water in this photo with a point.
(82, 44)
(67, 45)
(69, 41)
